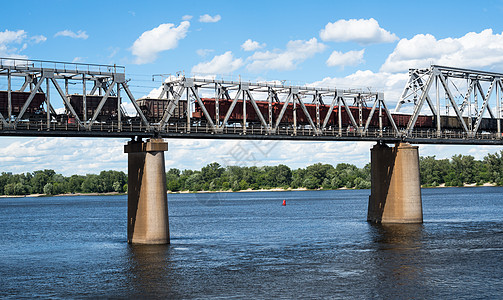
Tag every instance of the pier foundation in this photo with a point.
(147, 195)
(396, 186)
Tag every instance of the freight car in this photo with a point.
(18, 99)
(109, 110)
(153, 109)
(401, 120)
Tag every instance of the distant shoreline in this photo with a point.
(227, 191)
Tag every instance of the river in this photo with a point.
(247, 245)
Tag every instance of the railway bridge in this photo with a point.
(439, 105)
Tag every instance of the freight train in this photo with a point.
(153, 109)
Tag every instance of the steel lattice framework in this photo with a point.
(462, 89)
(175, 88)
(202, 107)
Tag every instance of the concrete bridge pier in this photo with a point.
(147, 196)
(396, 186)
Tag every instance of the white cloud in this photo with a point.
(250, 45)
(163, 37)
(391, 84)
(68, 33)
(204, 52)
(187, 17)
(220, 64)
(295, 53)
(209, 19)
(350, 58)
(38, 39)
(362, 31)
(78, 59)
(9, 38)
(473, 50)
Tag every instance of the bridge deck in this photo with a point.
(137, 129)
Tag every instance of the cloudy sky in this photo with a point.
(335, 43)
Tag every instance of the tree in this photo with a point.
(49, 189)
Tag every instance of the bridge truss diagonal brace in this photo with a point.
(306, 113)
(419, 104)
(471, 87)
(173, 103)
(65, 100)
(205, 112)
(230, 110)
(335, 100)
(4, 122)
(484, 105)
(28, 101)
(283, 110)
(246, 90)
(135, 105)
(486, 98)
(101, 104)
(453, 102)
(348, 111)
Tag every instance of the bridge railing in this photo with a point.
(114, 128)
(64, 67)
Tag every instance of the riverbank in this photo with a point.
(225, 191)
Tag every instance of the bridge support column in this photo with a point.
(147, 195)
(396, 187)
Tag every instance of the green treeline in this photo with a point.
(456, 171)
(50, 183)
(214, 177)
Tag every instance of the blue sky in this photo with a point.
(342, 43)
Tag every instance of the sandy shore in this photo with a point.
(225, 191)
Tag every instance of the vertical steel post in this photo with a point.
(317, 97)
(84, 99)
(188, 110)
(439, 133)
(119, 110)
(294, 115)
(48, 104)
(244, 112)
(380, 118)
(498, 107)
(9, 95)
(269, 100)
(217, 105)
(339, 115)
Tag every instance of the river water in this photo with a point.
(247, 245)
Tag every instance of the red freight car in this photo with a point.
(251, 116)
(18, 99)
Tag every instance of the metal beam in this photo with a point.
(306, 113)
(283, 109)
(172, 104)
(28, 101)
(231, 108)
(135, 105)
(451, 98)
(418, 106)
(484, 106)
(257, 110)
(100, 105)
(65, 100)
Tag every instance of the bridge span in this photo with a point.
(460, 106)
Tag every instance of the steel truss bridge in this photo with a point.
(461, 103)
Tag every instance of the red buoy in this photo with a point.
(284, 202)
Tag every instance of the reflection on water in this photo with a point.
(150, 270)
(398, 259)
